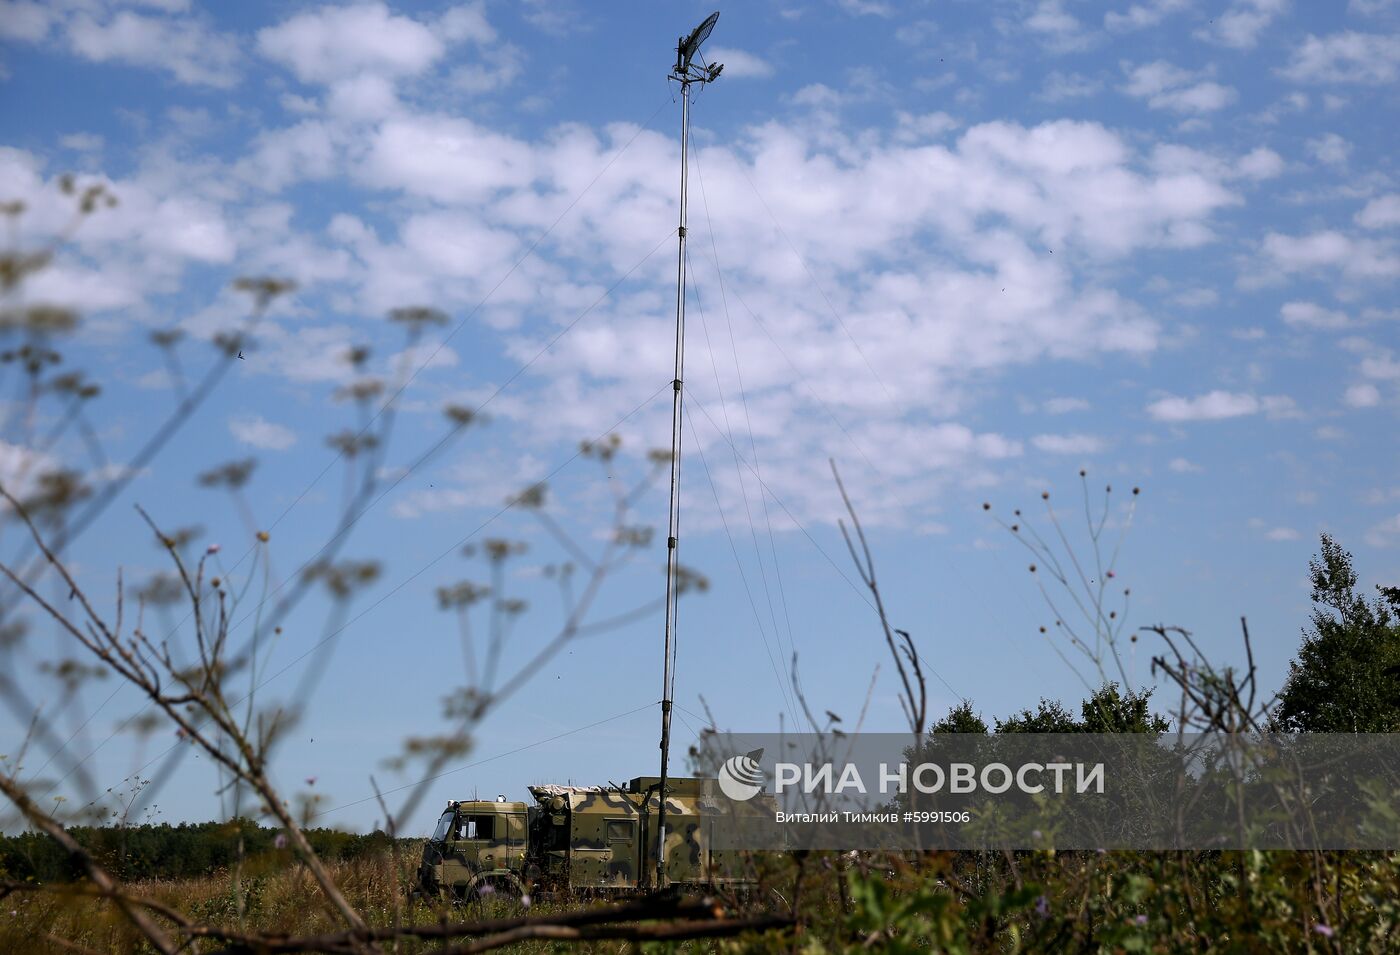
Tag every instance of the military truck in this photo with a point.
(597, 838)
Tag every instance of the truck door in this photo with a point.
(512, 851)
(476, 833)
(624, 864)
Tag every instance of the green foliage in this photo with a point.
(1050, 716)
(960, 719)
(1346, 678)
(1049, 902)
(1109, 710)
(913, 921)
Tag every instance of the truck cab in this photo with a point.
(476, 844)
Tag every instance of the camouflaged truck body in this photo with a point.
(583, 838)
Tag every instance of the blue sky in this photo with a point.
(963, 249)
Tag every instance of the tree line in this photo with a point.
(163, 851)
(1345, 678)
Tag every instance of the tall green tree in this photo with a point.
(1346, 678)
(1109, 710)
(960, 719)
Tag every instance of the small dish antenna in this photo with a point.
(690, 45)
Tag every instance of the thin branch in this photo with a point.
(96, 874)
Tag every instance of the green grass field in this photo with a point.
(945, 902)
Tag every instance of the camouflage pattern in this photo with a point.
(590, 837)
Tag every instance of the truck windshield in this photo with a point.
(444, 825)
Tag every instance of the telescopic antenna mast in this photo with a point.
(686, 72)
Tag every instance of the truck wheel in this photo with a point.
(495, 886)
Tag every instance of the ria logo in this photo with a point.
(741, 777)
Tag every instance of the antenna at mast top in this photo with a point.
(690, 45)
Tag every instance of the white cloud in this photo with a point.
(1329, 249)
(1067, 443)
(1216, 405)
(1240, 25)
(21, 466)
(1061, 30)
(301, 105)
(189, 228)
(1260, 163)
(121, 254)
(279, 157)
(922, 127)
(82, 142)
(483, 480)
(1065, 405)
(305, 354)
(1062, 181)
(425, 356)
(1183, 466)
(1364, 395)
(1382, 212)
(338, 42)
(1282, 534)
(1142, 15)
(467, 23)
(1381, 367)
(1059, 87)
(1087, 159)
(818, 96)
(257, 432)
(1196, 297)
(1330, 148)
(1384, 534)
(862, 8)
(556, 17)
(939, 268)
(26, 21)
(738, 63)
(496, 65)
(1377, 496)
(1050, 16)
(1348, 57)
(450, 160)
(274, 247)
(1311, 315)
(367, 96)
(184, 46)
(1165, 86)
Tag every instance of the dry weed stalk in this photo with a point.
(209, 693)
